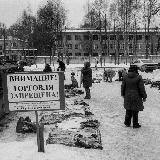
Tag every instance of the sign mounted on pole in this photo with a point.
(33, 91)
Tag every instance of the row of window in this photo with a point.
(105, 37)
(112, 46)
(95, 54)
(6, 44)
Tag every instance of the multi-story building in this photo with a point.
(85, 42)
(13, 48)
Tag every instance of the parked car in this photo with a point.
(145, 64)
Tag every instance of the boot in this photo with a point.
(88, 96)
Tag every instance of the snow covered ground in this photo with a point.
(119, 142)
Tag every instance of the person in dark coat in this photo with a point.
(61, 66)
(47, 68)
(133, 91)
(86, 79)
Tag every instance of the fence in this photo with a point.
(106, 59)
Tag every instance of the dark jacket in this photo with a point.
(47, 68)
(133, 90)
(86, 77)
(61, 66)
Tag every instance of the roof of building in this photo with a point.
(84, 30)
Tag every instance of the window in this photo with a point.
(104, 37)
(14, 44)
(112, 37)
(111, 46)
(69, 46)
(121, 37)
(76, 46)
(95, 54)
(77, 37)
(77, 54)
(121, 46)
(86, 54)
(138, 37)
(95, 37)
(130, 46)
(86, 37)
(69, 54)
(104, 46)
(0, 53)
(68, 37)
(147, 37)
(59, 37)
(1, 47)
(95, 46)
(130, 37)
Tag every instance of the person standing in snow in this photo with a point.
(86, 79)
(134, 94)
(96, 62)
(61, 66)
(100, 60)
(47, 68)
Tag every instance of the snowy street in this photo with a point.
(118, 141)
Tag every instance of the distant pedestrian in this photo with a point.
(134, 94)
(100, 60)
(67, 60)
(96, 62)
(121, 73)
(61, 66)
(86, 79)
(47, 68)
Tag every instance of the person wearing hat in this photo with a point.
(86, 79)
(134, 94)
(47, 68)
(61, 66)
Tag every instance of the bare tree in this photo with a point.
(150, 9)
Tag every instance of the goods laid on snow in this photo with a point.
(73, 92)
(24, 125)
(152, 83)
(74, 127)
(108, 75)
(96, 80)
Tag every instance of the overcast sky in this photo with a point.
(11, 9)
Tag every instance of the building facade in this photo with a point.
(13, 48)
(87, 42)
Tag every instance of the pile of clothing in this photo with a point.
(76, 127)
(96, 80)
(147, 81)
(73, 92)
(108, 75)
(24, 125)
(152, 83)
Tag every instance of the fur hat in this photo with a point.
(133, 68)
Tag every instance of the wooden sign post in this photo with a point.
(40, 136)
(35, 91)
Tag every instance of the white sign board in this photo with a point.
(33, 91)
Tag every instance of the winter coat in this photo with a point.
(133, 90)
(47, 68)
(86, 77)
(61, 66)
